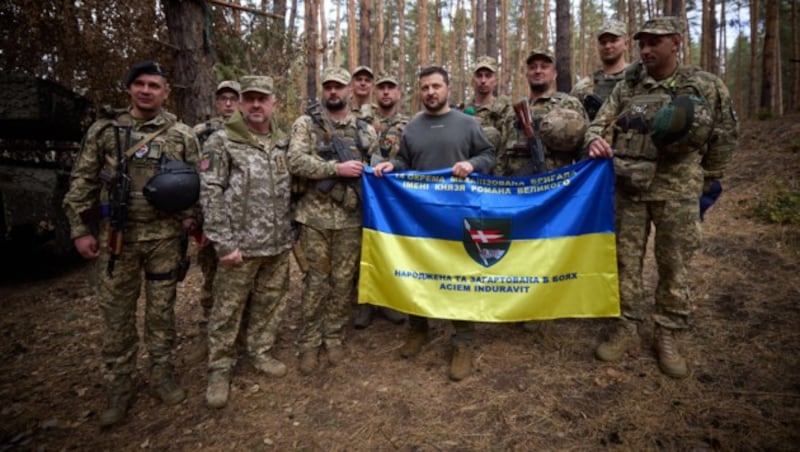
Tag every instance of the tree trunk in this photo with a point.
(322, 29)
(480, 28)
(352, 49)
(337, 37)
(438, 33)
(381, 41)
(422, 35)
(563, 47)
(795, 60)
(491, 28)
(505, 60)
(401, 38)
(311, 48)
(751, 105)
(768, 64)
(193, 79)
(364, 32)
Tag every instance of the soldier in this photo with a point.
(612, 45)
(329, 213)
(227, 102)
(515, 159)
(245, 198)
(151, 239)
(389, 124)
(492, 113)
(673, 132)
(362, 84)
(438, 138)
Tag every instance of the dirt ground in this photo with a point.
(531, 391)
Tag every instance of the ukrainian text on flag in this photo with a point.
(491, 249)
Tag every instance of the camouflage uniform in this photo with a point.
(245, 198)
(661, 185)
(389, 131)
(151, 241)
(493, 118)
(330, 232)
(515, 155)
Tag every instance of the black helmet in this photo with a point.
(176, 187)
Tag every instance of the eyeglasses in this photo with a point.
(226, 99)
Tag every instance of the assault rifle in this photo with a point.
(119, 198)
(534, 146)
(337, 149)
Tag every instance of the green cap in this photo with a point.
(335, 74)
(485, 62)
(538, 53)
(229, 85)
(613, 27)
(364, 69)
(385, 77)
(257, 83)
(666, 25)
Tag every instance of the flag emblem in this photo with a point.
(486, 240)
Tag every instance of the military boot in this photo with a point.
(269, 366)
(414, 342)
(163, 385)
(393, 316)
(624, 338)
(308, 360)
(670, 360)
(218, 390)
(461, 364)
(362, 317)
(120, 396)
(335, 354)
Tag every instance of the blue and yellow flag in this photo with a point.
(491, 249)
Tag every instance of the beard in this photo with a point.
(435, 107)
(335, 105)
(538, 87)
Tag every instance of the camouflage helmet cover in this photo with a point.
(563, 129)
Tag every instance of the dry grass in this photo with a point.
(541, 391)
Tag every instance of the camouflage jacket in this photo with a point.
(389, 131)
(677, 175)
(98, 156)
(206, 128)
(365, 112)
(245, 190)
(493, 119)
(514, 155)
(310, 163)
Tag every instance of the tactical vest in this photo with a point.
(604, 84)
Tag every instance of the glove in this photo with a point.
(672, 122)
(710, 194)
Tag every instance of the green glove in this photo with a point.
(672, 122)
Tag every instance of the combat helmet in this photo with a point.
(176, 187)
(563, 129)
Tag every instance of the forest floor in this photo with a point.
(530, 391)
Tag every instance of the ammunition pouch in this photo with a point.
(635, 154)
(345, 195)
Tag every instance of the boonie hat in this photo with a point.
(486, 62)
(257, 83)
(666, 25)
(547, 54)
(335, 74)
(144, 67)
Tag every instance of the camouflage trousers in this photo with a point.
(329, 283)
(207, 260)
(464, 330)
(119, 295)
(677, 237)
(265, 281)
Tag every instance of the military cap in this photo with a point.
(257, 83)
(665, 25)
(612, 27)
(485, 62)
(144, 67)
(364, 69)
(335, 74)
(385, 77)
(547, 54)
(229, 85)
